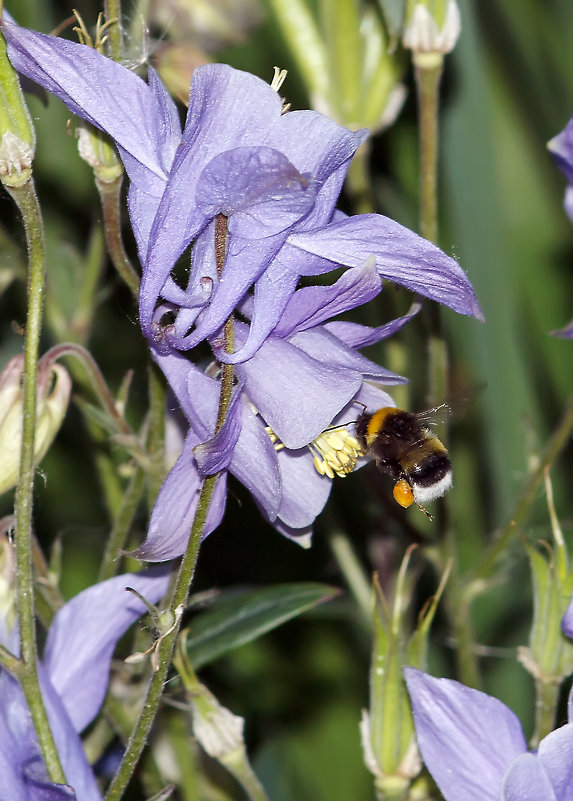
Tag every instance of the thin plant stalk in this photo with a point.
(555, 445)
(110, 196)
(428, 78)
(122, 525)
(112, 10)
(182, 587)
(25, 198)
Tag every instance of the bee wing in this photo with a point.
(435, 416)
(456, 406)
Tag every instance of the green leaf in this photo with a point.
(234, 621)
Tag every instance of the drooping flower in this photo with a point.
(275, 176)
(474, 747)
(307, 376)
(74, 678)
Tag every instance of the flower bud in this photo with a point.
(17, 139)
(548, 657)
(217, 730)
(53, 393)
(387, 729)
(97, 150)
(431, 29)
(8, 611)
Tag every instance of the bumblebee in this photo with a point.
(404, 447)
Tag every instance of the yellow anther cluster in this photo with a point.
(335, 453)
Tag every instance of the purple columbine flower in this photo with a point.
(561, 148)
(307, 375)
(74, 678)
(474, 747)
(275, 176)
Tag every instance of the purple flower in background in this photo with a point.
(307, 375)
(474, 747)
(275, 176)
(74, 678)
(561, 148)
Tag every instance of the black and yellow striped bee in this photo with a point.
(403, 446)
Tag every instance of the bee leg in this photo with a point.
(425, 511)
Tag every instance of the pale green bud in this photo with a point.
(217, 730)
(432, 27)
(387, 730)
(53, 393)
(97, 150)
(17, 139)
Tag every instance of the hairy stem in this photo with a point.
(115, 32)
(110, 196)
(184, 580)
(27, 202)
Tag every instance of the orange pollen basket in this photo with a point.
(403, 493)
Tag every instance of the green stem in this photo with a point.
(112, 10)
(184, 580)
(428, 78)
(97, 380)
(555, 445)
(428, 87)
(547, 698)
(110, 196)
(155, 432)
(120, 531)
(10, 662)
(358, 180)
(459, 613)
(178, 730)
(142, 728)
(27, 202)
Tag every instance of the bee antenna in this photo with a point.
(348, 422)
(339, 425)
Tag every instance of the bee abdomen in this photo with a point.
(432, 469)
(431, 479)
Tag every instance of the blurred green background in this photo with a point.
(507, 89)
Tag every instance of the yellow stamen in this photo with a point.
(334, 451)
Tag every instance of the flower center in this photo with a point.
(335, 451)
